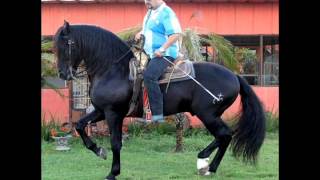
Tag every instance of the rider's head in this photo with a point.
(153, 4)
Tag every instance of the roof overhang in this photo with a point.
(142, 1)
(251, 40)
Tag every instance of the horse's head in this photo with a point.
(67, 52)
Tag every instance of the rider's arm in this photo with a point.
(172, 39)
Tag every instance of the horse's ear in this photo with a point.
(66, 28)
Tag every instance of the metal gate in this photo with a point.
(81, 103)
(80, 92)
(271, 70)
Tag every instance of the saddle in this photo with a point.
(178, 72)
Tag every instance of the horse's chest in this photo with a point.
(108, 93)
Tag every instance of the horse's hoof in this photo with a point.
(110, 177)
(204, 171)
(101, 153)
(203, 166)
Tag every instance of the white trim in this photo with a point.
(202, 163)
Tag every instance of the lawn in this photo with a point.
(152, 156)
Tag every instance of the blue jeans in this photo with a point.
(151, 75)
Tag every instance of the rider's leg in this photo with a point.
(155, 69)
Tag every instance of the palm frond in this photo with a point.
(224, 49)
(44, 82)
(128, 33)
(242, 54)
(191, 45)
(48, 57)
(46, 46)
(48, 68)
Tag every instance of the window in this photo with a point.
(249, 65)
(271, 68)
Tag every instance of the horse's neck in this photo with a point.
(120, 69)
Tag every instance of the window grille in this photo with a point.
(80, 91)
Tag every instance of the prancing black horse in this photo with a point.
(106, 58)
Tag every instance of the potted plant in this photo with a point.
(61, 136)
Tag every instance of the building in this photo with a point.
(246, 23)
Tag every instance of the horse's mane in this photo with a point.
(101, 47)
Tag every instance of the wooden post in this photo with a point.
(69, 85)
(206, 53)
(261, 61)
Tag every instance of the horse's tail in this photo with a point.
(250, 129)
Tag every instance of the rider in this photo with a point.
(162, 31)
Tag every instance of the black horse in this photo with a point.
(106, 58)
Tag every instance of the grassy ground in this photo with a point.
(152, 156)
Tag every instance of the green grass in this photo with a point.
(151, 156)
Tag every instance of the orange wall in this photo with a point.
(52, 103)
(221, 18)
(59, 107)
(268, 95)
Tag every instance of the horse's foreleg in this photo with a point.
(92, 117)
(115, 125)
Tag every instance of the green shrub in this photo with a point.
(138, 129)
(272, 122)
(195, 132)
(164, 128)
(47, 126)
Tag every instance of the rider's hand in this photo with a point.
(137, 36)
(157, 53)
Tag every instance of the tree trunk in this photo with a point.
(180, 119)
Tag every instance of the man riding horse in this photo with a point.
(107, 60)
(162, 30)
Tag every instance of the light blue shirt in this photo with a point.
(161, 23)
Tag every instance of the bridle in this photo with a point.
(70, 42)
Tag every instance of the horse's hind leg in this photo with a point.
(203, 158)
(92, 117)
(223, 136)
